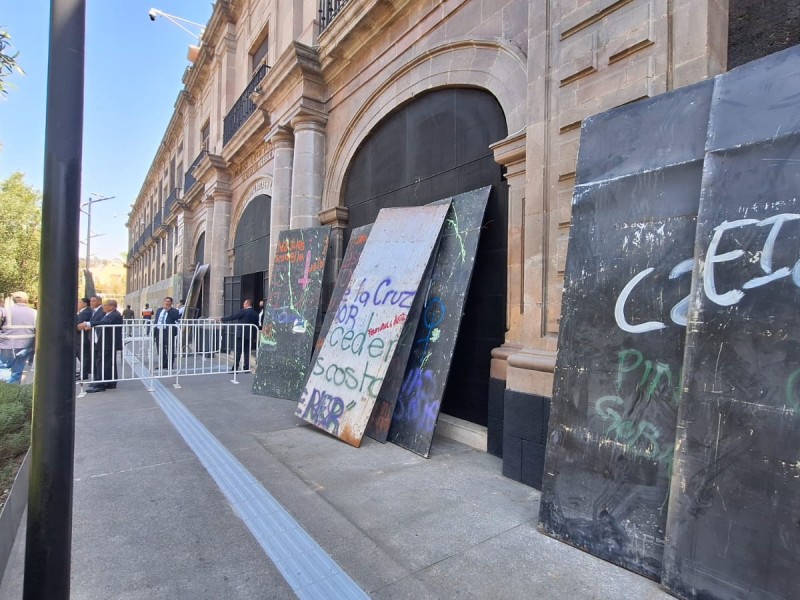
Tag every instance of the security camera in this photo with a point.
(152, 14)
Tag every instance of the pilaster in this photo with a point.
(280, 211)
(307, 170)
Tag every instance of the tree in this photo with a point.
(8, 61)
(20, 234)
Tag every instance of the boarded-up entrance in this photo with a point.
(435, 147)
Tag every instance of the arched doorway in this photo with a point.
(430, 148)
(195, 295)
(250, 255)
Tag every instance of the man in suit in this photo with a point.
(96, 304)
(165, 330)
(247, 316)
(83, 341)
(107, 340)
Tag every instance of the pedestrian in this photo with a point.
(17, 335)
(107, 341)
(181, 307)
(244, 338)
(83, 340)
(128, 313)
(164, 331)
(147, 315)
(261, 304)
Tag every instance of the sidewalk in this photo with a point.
(150, 522)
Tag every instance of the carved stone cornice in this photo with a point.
(511, 151)
(337, 217)
(248, 137)
(296, 73)
(533, 359)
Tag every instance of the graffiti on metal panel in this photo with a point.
(423, 383)
(290, 312)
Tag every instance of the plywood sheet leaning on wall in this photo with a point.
(734, 511)
(290, 314)
(620, 349)
(358, 238)
(340, 393)
(423, 383)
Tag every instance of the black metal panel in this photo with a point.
(613, 413)
(251, 242)
(757, 28)
(734, 511)
(401, 164)
(423, 382)
(290, 314)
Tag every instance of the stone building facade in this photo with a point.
(323, 113)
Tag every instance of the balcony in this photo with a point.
(328, 9)
(188, 179)
(157, 220)
(173, 197)
(243, 107)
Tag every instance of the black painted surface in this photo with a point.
(437, 146)
(251, 242)
(524, 437)
(613, 413)
(428, 366)
(757, 28)
(290, 314)
(494, 433)
(734, 513)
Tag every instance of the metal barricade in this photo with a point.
(154, 351)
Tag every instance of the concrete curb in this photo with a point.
(12, 512)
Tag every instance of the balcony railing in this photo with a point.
(328, 9)
(189, 179)
(157, 220)
(173, 197)
(243, 107)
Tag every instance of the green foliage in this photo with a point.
(20, 234)
(8, 61)
(15, 419)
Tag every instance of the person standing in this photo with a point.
(128, 313)
(17, 335)
(164, 332)
(107, 340)
(147, 315)
(246, 316)
(83, 341)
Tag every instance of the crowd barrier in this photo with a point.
(141, 350)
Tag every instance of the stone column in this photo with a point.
(280, 208)
(218, 262)
(307, 170)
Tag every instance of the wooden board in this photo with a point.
(347, 376)
(290, 314)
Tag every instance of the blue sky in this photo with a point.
(132, 78)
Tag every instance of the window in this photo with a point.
(259, 54)
(204, 133)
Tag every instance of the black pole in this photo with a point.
(49, 533)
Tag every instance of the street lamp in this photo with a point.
(194, 51)
(154, 12)
(88, 214)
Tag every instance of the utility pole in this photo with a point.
(49, 529)
(88, 213)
